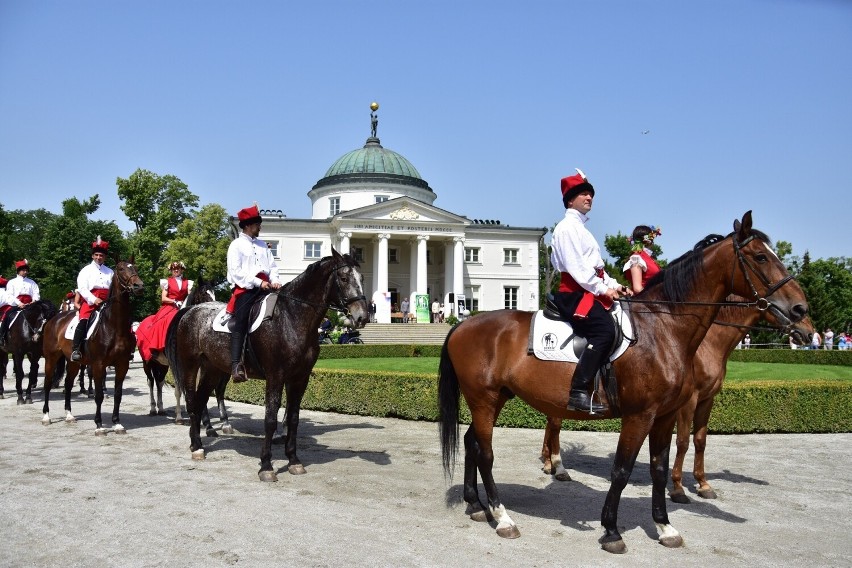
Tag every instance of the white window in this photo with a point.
(381, 198)
(357, 253)
(393, 256)
(273, 247)
(510, 297)
(313, 249)
(510, 256)
(471, 298)
(333, 206)
(471, 254)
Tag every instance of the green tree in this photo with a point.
(201, 243)
(156, 205)
(24, 231)
(66, 246)
(828, 287)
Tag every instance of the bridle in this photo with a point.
(762, 303)
(341, 303)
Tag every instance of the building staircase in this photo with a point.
(405, 333)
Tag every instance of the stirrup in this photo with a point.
(238, 373)
(76, 355)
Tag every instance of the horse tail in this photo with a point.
(58, 372)
(448, 408)
(171, 349)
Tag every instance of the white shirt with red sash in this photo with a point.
(576, 254)
(250, 263)
(23, 289)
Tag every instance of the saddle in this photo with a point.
(261, 310)
(94, 320)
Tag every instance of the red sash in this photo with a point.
(25, 299)
(86, 310)
(175, 293)
(568, 284)
(239, 290)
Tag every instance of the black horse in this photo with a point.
(24, 339)
(282, 351)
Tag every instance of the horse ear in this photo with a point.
(743, 229)
(334, 253)
(132, 259)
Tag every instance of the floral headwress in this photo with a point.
(647, 240)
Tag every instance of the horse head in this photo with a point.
(128, 278)
(763, 278)
(349, 293)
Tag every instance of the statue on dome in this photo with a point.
(374, 119)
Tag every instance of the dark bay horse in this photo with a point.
(709, 367)
(110, 345)
(485, 360)
(282, 351)
(24, 340)
(157, 366)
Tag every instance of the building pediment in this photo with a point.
(400, 210)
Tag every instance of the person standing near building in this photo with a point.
(252, 270)
(436, 308)
(93, 283)
(586, 292)
(21, 290)
(403, 306)
(828, 339)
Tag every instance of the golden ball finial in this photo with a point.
(374, 106)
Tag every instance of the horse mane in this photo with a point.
(314, 268)
(45, 307)
(678, 278)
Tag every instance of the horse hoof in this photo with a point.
(198, 455)
(563, 476)
(707, 494)
(680, 497)
(297, 469)
(100, 431)
(675, 541)
(119, 429)
(2, 396)
(268, 476)
(20, 401)
(479, 516)
(227, 429)
(161, 413)
(509, 532)
(211, 433)
(28, 400)
(45, 420)
(70, 420)
(615, 546)
(152, 412)
(179, 421)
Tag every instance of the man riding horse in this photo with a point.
(586, 292)
(21, 290)
(93, 284)
(251, 269)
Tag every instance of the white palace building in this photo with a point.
(373, 204)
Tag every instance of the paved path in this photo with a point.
(375, 495)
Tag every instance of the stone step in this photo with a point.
(405, 333)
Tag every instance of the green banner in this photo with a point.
(421, 303)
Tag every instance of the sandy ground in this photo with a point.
(375, 495)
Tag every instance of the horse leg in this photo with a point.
(634, 430)
(660, 442)
(475, 509)
(196, 402)
(223, 412)
(208, 425)
(149, 376)
(99, 376)
(28, 399)
(18, 369)
(702, 417)
(4, 362)
(88, 371)
(684, 425)
(121, 367)
(483, 427)
(70, 374)
(295, 392)
(52, 366)
(551, 450)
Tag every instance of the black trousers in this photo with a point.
(597, 328)
(239, 322)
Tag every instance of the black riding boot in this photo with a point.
(581, 382)
(79, 338)
(238, 370)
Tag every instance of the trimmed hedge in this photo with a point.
(368, 351)
(765, 406)
(796, 356)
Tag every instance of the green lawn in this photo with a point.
(736, 371)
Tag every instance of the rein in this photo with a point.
(340, 304)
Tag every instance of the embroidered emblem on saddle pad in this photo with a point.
(220, 322)
(94, 320)
(554, 340)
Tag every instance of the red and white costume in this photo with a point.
(151, 333)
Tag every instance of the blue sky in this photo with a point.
(748, 105)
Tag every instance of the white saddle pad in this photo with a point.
(220, 322)
(94, 319)
(553, 340)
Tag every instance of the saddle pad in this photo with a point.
(552, 340)
(220, 322)
(93, 324)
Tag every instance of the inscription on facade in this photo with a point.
(402, 228)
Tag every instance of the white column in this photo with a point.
(422, 276)
(458, 269)
(344, 241)
(380, 294)
(449, 266)
(412, 271)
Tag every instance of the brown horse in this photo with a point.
(24, 340)
(709, 366)
(282, 351)
(485, 360)
(110, 345)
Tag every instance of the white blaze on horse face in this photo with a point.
(769, 248)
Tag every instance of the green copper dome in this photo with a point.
(372, 159)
